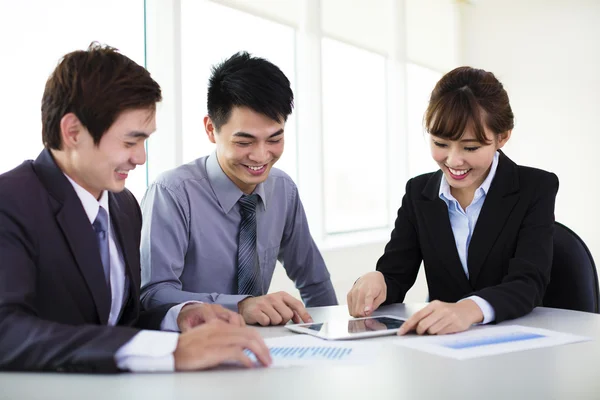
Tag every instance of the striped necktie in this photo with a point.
(249, 281)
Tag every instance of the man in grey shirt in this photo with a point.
(214, 228)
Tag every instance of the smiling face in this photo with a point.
(248, 146)
(466, 162)
(107, 165)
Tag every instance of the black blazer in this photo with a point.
(54, 302)
(510, 254)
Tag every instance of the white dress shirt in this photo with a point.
(463, 224)
(148, 350)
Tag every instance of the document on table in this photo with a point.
(300, 349)
(489, 340)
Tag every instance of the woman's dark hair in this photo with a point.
(468, 98)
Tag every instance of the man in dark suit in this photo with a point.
(70, 236)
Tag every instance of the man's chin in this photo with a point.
(116, 188)
(254, 182)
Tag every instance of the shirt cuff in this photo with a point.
(489, 315)
(148, 351)
(169, 322)
(231, 302)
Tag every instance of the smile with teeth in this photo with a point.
(255, 168)
(458, 172)
(122, 173)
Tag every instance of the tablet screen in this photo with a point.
(359, 325)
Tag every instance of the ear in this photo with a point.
(502, 139)
(70, 130)
(209, 127)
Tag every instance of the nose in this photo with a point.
(259, 153)
(138, 157)
(454, 158)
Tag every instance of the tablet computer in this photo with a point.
(351, 328)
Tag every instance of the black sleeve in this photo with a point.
(402, 257)
(524, 285)
(151, 319)
(30, 343)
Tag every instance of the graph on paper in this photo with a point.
(489, 340)
(320, 353)
(307, 350)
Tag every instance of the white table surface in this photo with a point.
(563, 372)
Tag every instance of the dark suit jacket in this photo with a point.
(510, 254)
(54, 302)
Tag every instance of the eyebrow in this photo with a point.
(469, 141)
(137, 134)
(250, 136)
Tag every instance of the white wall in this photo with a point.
(547, 54)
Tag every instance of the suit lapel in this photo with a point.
(498, 204)
(125, 234)
(77, 229)
(434, 213)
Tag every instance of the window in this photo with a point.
(46, 30)
(354, 138)
(360, 92)
(420, 82)
(210, 33)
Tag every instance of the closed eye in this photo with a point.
(438, 144)
(472, 148)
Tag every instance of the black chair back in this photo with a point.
(574, 280)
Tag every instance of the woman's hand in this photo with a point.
(439, 318)
(367, 294)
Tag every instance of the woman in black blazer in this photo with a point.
(482, 225)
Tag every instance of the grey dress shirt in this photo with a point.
(190, 233)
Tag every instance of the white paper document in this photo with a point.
(299, 349)
(489, 340)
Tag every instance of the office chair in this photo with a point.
(574, 280)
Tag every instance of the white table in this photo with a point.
(563, 372)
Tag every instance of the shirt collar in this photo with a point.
(483, 188)
(226, 191)
(89, 202)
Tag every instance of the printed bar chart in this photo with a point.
(314, 352)
(296, 350)
(491, 340)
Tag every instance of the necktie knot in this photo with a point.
(101, 222)
(248, 204)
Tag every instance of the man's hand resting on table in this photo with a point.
(194, 314)
(216, 342)
(273, 309)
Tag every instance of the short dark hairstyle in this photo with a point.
(246, 81)
(468, 98)
(96, 85)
